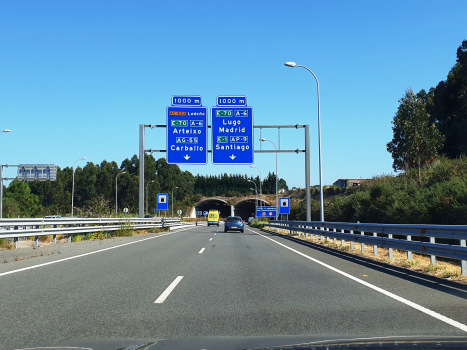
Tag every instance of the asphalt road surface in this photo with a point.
(202, 284)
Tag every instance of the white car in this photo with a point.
(250, 220)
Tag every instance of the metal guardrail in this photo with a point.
(382, 235)
(16, 228)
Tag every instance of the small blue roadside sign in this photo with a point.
(187, 131)
(232, 131)
(284, 207)
(266, 212)
(205, 213)
(162, 201)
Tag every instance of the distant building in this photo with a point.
(345, 183)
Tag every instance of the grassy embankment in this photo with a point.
(441, 199)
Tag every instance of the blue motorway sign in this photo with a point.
(162, 201)
(232, 135)
(266, 212)
(227, 101)
(186, 101)
(187, 135)
(284, 205)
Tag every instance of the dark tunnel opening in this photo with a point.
(246, 208)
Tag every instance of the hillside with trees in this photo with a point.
(94, 192)
(429, 149)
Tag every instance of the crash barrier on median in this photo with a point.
(382, 235)
(17, 228)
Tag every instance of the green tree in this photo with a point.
(447, 106)
(10, 208)
(415, 140)
(27, 202)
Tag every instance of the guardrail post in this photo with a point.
(16, 242)
(343, 240)
(352, 244)
(37, 241)
(362, 244)
(335, 239)
(69, 238)
(432, 257)
(55, 239)
(390, 253)
(463, 262)
(409, 253)
(375, 247)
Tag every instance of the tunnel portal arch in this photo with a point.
(214, 204)
(246, 207)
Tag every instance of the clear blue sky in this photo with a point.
(78, 77)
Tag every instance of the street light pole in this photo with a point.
(1, 182)
(277, 179)
(256, 196)
(147, 187)
(116, 203)
(73, 184)
(321, 211)
(173, 201)
(260, 187)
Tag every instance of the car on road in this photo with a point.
(213, 217)
(250, 220)
(234, 223)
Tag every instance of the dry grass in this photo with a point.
(421, 263)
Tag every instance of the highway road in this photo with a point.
(202, 286)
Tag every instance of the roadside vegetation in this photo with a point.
(444, 268)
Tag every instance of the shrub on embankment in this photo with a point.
(441, 198)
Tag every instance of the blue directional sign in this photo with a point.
(162, 201)
(205, 213)
(232, 132)
(186, 100)
(187, 131)
(268, 212)
(227, 101)
(284, 205)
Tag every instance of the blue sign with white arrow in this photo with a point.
(232, 132)
(187, 135)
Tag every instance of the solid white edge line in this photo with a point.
(90, 253)
(201, 251)
(429, 312)
(168, 290)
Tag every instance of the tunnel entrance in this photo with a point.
(246, 207)
(214, 204)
